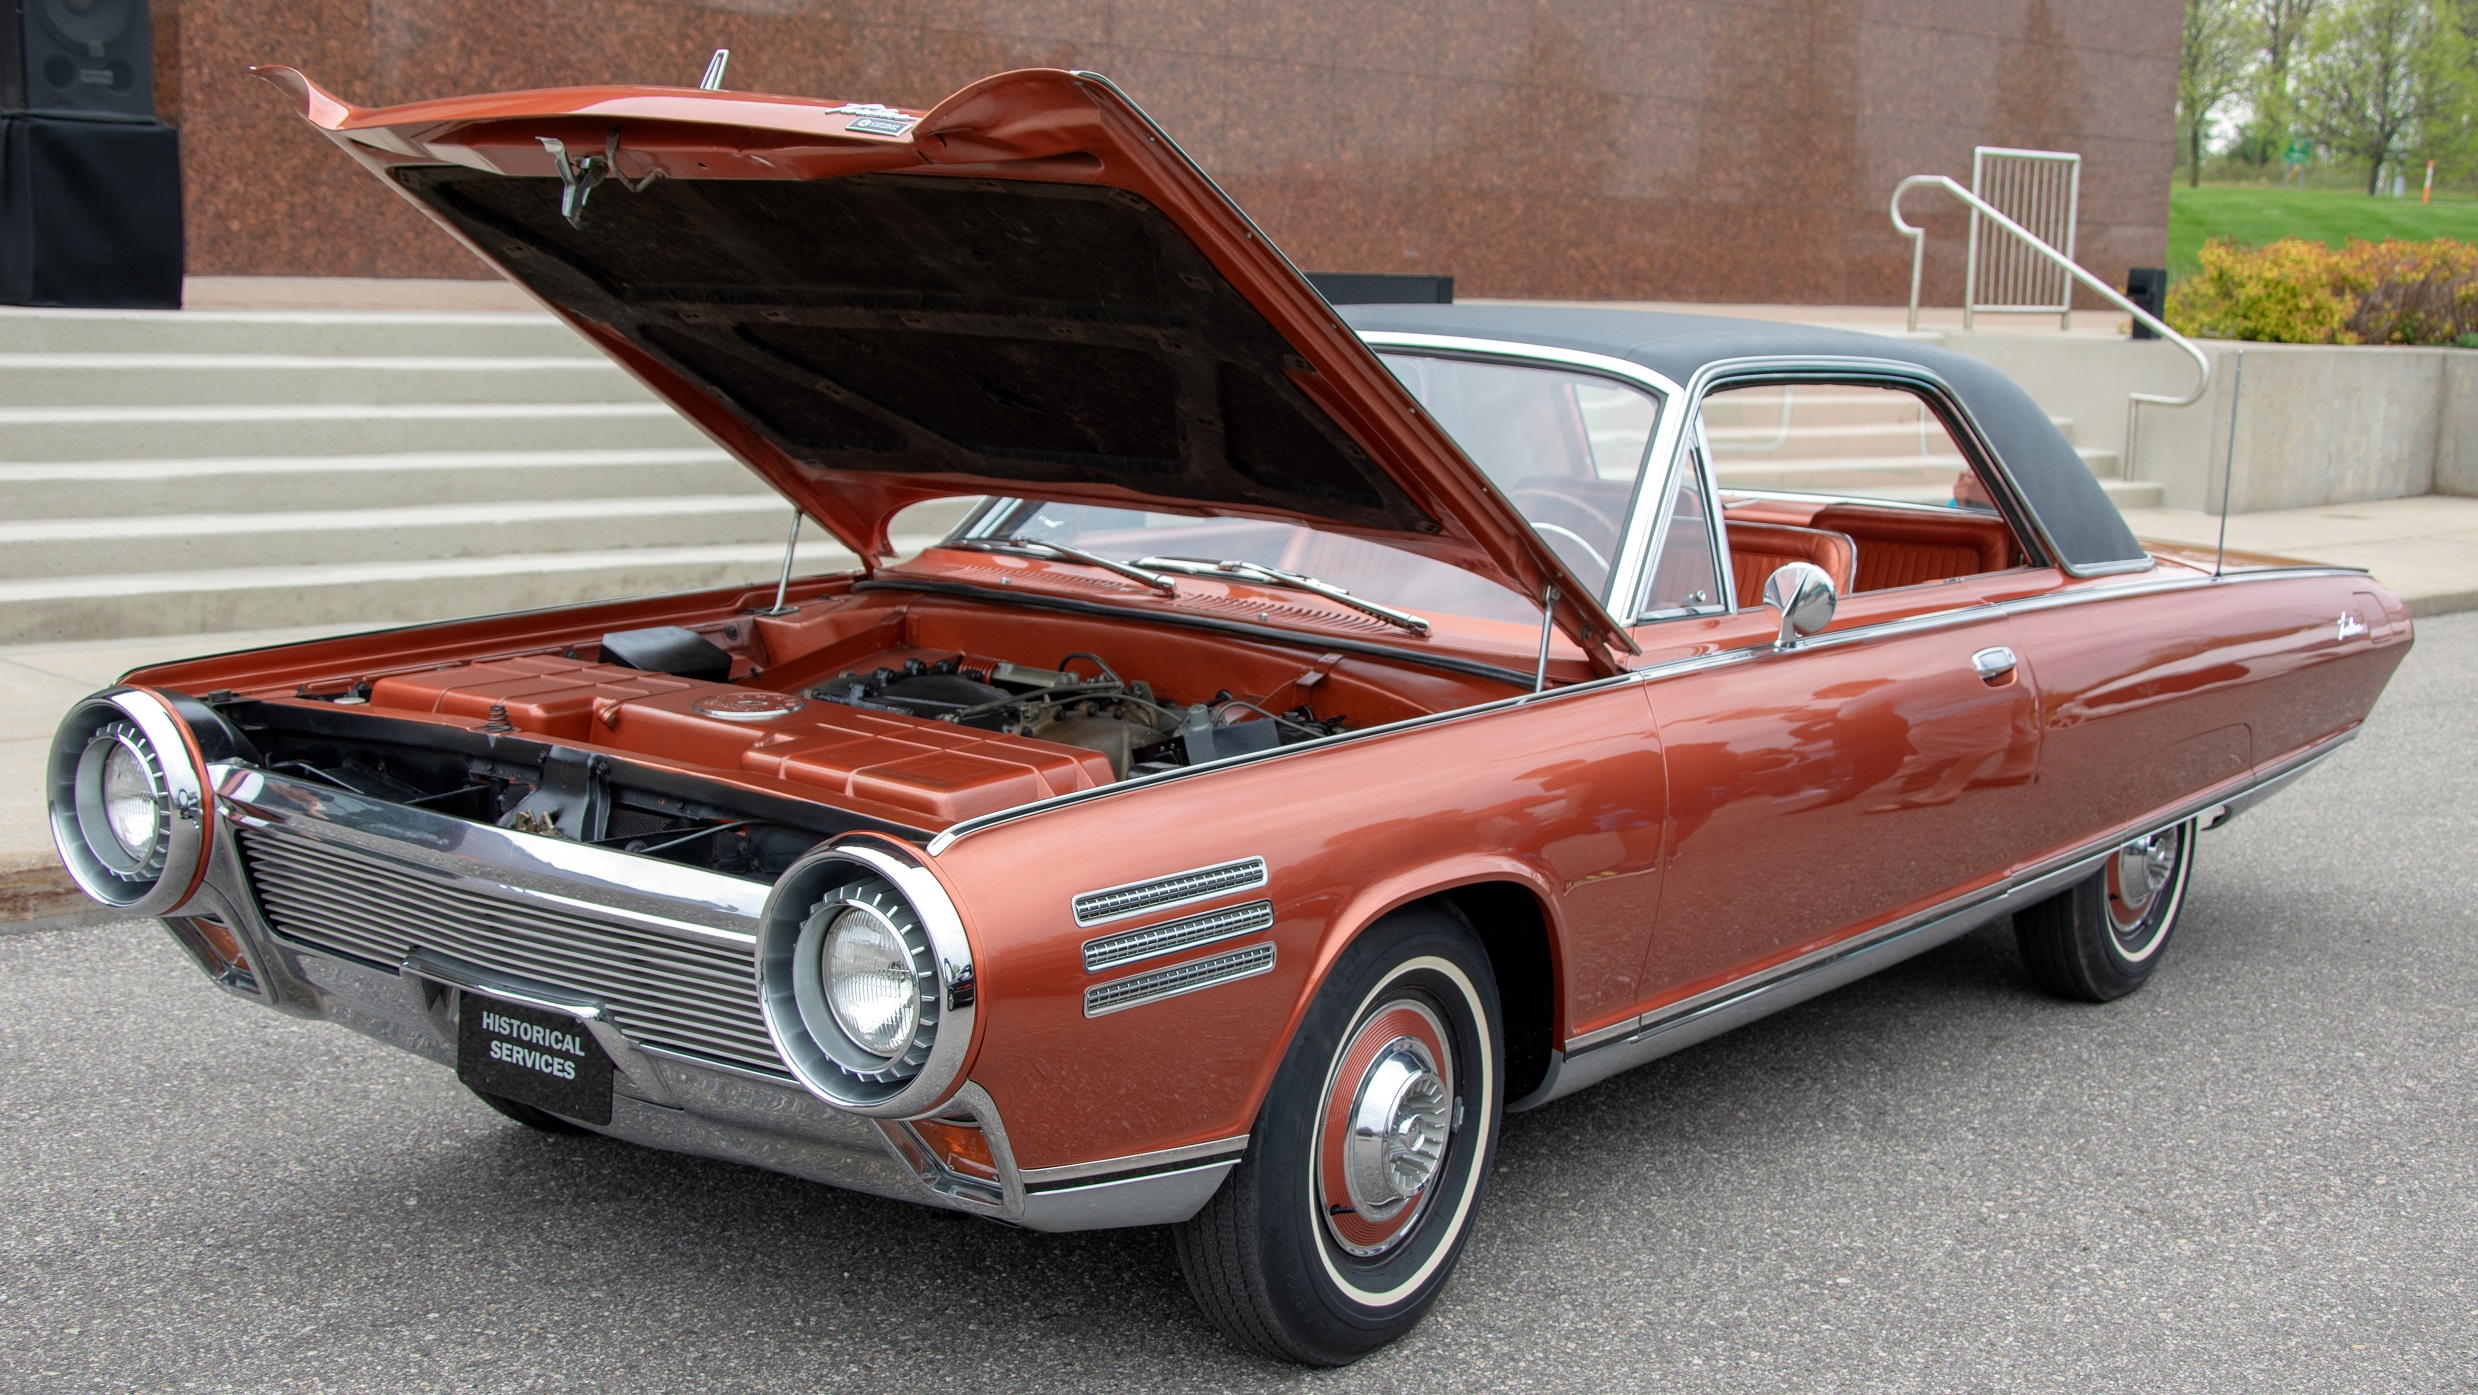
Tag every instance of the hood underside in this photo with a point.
(1026, 291)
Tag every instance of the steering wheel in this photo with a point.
(1569, 520)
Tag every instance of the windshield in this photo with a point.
(1565, 448)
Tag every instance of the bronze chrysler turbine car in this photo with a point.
(1334, 729)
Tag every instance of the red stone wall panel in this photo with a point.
(1722, 150)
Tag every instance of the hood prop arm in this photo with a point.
(579, 179)
(783, 586)
(1548, 627)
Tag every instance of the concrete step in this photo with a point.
(57, 609)
(65, 547)
(2102, 460)
(2133, 494)
(352, 333)
(171, 380)
(270, 597)
(119, 433)
(263, 484)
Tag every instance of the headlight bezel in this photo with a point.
(165, 875)
(791, 969)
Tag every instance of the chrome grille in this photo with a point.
(1128, 946)
(685, 992)
(1178, 979)
(1111, 903)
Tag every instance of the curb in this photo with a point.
(2447, 603)
(36, 894)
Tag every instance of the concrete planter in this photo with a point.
(2316, 424)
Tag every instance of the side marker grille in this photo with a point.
(1127, 946)
(1135, 898)
(1177, 979)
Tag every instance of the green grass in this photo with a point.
(2252, 215)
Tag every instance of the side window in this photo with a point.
(1862, 479)
(1686, 578)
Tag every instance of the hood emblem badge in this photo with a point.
(747, 706)
(2350, 626)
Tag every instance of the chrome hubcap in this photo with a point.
(2143, 867)
(1385, 1127)
(2138, 875)
(1399, 1121)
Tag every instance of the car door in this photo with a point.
(1865, 772)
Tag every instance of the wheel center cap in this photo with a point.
(2143, 867)
(1399, 1119)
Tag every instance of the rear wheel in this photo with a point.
(1342, 1222)
(2104, 937)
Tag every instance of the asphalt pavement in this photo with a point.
(2259, 1173)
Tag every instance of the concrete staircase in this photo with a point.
(228, 470)
(2104, 463)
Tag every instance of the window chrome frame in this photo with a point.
(1976, 446)
(1627, 564)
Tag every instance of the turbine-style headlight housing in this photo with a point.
(865, 980)
(128, 802)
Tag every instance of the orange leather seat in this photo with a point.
(1904, 547)
(1757, 550)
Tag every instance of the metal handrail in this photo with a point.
(2134, 401)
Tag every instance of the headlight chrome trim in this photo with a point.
(799, 898)
(185, 811)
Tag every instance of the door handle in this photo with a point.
(1994, 665)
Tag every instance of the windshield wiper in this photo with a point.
(1275, 576)
(1036, 547)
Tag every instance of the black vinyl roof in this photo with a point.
(2064, 497)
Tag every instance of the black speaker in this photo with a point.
(2147, 286)
(90, 58)
(90, 213)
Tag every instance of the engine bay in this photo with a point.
(1124, 721)
(736, 745)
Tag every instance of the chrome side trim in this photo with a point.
(1651, 673)
(1194, 976)
(1157, 1198)
(1134, 1162)
(1606, 1052)
(1169, 937)
(1160, 893)
(2287, 775)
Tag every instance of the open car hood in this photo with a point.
(1027, 290)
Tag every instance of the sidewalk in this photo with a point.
(2426, 549)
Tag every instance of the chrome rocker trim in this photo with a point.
(1596, 1056)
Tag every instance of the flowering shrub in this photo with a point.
(2299, 292)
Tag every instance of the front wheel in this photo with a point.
(1341, 1223)
(2103, 938)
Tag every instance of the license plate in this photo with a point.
(545, 1059)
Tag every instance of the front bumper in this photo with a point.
(379, 917)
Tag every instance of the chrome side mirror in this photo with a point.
(1805, 597)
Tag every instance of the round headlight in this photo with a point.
(128, 802)
(865, 980)
(871, 982)
(132, 797)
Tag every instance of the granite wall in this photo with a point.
(1726, 150)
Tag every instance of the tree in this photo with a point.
(2283, 28)
(2376, 78)
(2211, 66)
